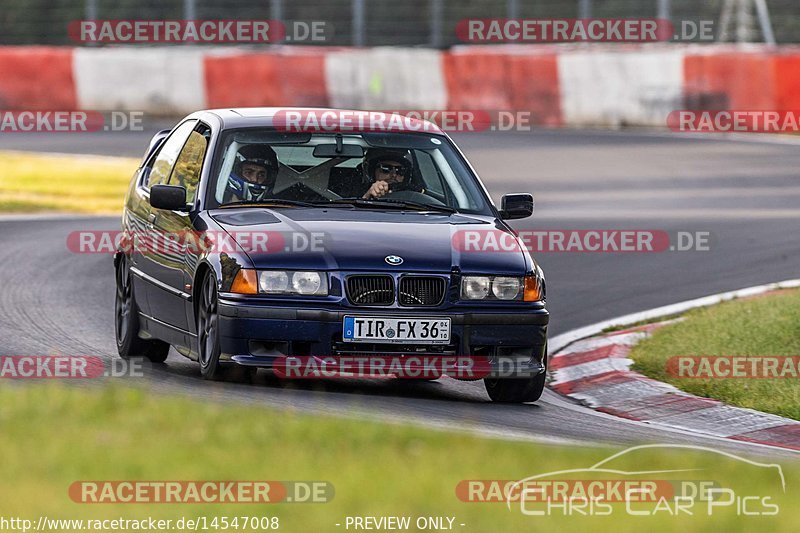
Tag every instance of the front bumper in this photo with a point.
(256, 335)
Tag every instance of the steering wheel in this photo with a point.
(413, 196)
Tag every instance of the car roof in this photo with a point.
(243, 117)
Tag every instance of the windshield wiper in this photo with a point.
(421, 206)
(382, 204)
(269, 203)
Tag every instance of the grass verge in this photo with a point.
(31, 182)
(53, 436)
(766, 325)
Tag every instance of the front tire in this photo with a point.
(515, 390)
(129, 344)
(208, 347)
(508, 390)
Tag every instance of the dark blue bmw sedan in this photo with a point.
(257, 241)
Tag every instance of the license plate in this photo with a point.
(396, 329)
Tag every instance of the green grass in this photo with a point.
(32, 182)
(52, 436)
(761, 326)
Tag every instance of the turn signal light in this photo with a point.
(533, 289)
(245, 282)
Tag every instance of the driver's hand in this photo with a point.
(376, 190)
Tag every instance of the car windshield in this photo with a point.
(257, 166)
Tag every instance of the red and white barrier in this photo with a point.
(250, 79)
(596, 372)
(155, 80)
(386, 78)
(37, 77)
(559, 85)
(620, 88)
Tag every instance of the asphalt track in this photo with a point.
(744, 192)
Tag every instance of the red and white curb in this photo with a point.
(594, 368)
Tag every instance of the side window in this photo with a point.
(190, 162)
(165, 160)
(430, 175)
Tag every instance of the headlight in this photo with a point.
(475, 287)
(306, 282)
(503, 288)
(506, 288)
(290, 282)
(273, 282)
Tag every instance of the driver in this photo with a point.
(253, 175)
(386, 171)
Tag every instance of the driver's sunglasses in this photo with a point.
(386, 169)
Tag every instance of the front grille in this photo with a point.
(421, 291)
(370, 290)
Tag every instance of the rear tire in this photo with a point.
(129, 344)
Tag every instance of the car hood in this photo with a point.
(361, 240)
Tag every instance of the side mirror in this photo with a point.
(169, 197)
(517, 205)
